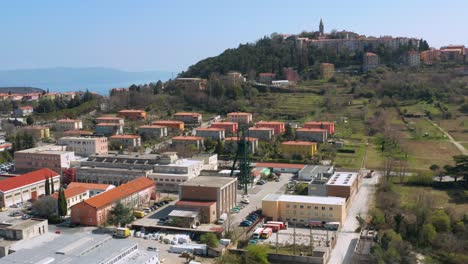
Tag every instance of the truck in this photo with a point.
(266, 233)
(222, 219)
(274, 227)
(332, 225)
(257, 233)
(281, 224)
(315, 224)
(139, 214)
(121, 232)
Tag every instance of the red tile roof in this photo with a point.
(187, 138)
(270, 123)
(261, 128)
(235, 139)
(225, 123)
(25, 107)
(78, 132)
(209, 129)
(71, 192)
(302, 129)
(26, 179)
(118, 193)
(131, 111)
(109, 118)
(279, 165)
(194, 203)
(152, 126)
(124, 136)
(89, 186)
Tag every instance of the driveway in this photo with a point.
(347, 238)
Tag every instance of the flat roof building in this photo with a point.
(342, 184)
(310, 172)
(303, 209)
(53, 157)
(85, 145)
(222, 190)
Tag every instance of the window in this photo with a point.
(331, 208)
(301, 206)
(316, 207)
(330, 214)
(287, 206)
(294, 206)
(323, 207)
(308, 207)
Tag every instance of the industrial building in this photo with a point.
(168, 176)
(95, 210)
(221, 190)
(303, 209)
(342, 184)
(80, 248)
(310, 172)
(25, 230)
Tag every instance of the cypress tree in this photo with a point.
(52, 188)
(47, 186)
(62, 203)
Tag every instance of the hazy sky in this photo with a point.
(171, 35)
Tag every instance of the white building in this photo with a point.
(68, 124)
(210, 161)
(168, 176)
(86, 145)
(73, 195)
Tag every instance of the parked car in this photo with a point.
(246, 223)
(245, 201)
(151, 249)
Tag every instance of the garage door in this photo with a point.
(17, 198)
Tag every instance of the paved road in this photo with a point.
(347, 238)
(457, 144)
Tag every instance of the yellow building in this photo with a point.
(303, 209)
(38, 132)
(302, 148)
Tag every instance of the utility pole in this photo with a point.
(277, 232)
(294, 239)
(311, 243)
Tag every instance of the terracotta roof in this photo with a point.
(131, 111)
(195, 203)
(235, 139)
(261, 128)
(266, 74)
(187, 138)
(311, 129)
(90, 186)
(25, 107)
(5, 145)
(124, 136)
(224, 123)
(187, 114)
(167, 122)
(68, 120)
(279, 165)
(209, 129)
(306, 143)
(108, 124)
(78, 132)
(239, 113)
(109, 118)
(71, 192)
(118, 193)
(26, 179)
(151, 126)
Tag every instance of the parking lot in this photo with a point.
(7, 167)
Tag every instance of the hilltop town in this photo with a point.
(335, 148)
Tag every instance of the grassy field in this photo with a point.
(422, 154)
(422, 107)
(286, 106)
(452, 198)
(421, 128)
(457, 128)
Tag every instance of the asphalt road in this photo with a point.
(347, 238)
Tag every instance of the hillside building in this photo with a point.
(68, 124)
(52, 157)
(240, 117)
(85, 145)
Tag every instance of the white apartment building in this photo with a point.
(168, 177)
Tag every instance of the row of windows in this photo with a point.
(324, 214)
(171, 180)
(308, 207)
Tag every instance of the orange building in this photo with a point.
(95, 210)
(240, 117)
(230, 127)
(329, 126)
(277, 126)
(132, 114)
(170, 124)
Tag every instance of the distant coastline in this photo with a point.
(99, 80)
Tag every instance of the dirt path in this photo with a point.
(457, 144)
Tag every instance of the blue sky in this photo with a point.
(173, 34)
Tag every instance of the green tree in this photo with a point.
(120, 215)
(440, 220)
(228, 258)
(427, 234)
(209, 144)
(289, 132)
(62, 203)
(256, 254)
(219, 149)
(321, 27)
(29, 120)
(52, 187)
(210, 240)
(47, 186)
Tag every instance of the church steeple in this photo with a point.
(321, 27)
